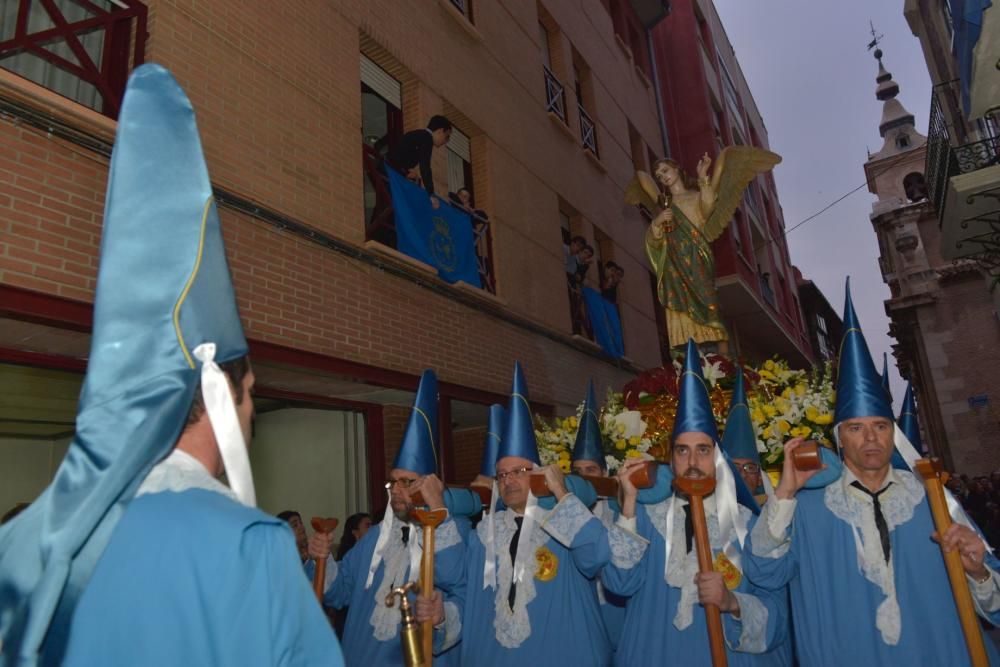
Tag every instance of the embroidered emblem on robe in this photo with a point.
(730, 574)
(548, 564)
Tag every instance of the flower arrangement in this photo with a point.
(790, 404)
(623, 435)
(784, 403)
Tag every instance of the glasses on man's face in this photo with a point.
(751, 468)
(405, 482)
(516, 473)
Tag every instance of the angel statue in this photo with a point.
(687, 217)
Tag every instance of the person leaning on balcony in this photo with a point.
(413, 152)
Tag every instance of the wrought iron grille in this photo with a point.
(80, 42)
(555, 99)
(588, 131)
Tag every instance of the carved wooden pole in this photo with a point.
(696, 490)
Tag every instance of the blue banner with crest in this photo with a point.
(440, 237)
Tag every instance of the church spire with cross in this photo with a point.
(897, 124)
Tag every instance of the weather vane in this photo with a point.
(876, 38)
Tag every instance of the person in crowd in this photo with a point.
(136, 552)
(661, 580)
(610, 281)
(861, 555)
(355, 528)
(411, 155)
(294, 521)
(388, 556)
(530, 597)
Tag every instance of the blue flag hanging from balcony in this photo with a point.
(441, 237)
(604, 323)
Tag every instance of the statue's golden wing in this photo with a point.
(642, 191)
(735, 168)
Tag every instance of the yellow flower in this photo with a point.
(634, 440)
(757, 415)
(621, 428)
(783, 426)
(800, 389)
(767, 375)
(620, 444)
(768, 433)
(824, 419)
(787, 392)
(769, 365)
(811, 413)
(564, 465)
(800, 431)
(573, 423)
(781, 404)
(563, 455)
(633, 454)
(559, 432)
(769, 410)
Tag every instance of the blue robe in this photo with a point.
(612, 604)
(665, 623)
(556, 618)
(195, 578)
(835, 605)
(371, 631)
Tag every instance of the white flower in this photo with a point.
(712, 372)
(632, 421)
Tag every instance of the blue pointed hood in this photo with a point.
(163, 289)
(885, 377)
(494, 436)
(908, 423)
(519, 436)
(418, 451)
(694, 410)
(859, 386)
(588, 445)
(739, 440)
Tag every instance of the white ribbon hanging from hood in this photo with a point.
(221, 409)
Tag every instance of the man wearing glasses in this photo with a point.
(530, 596)
(740, 442)
(389, 556)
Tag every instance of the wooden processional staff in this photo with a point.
(327, 526)
(430, 520)
(934, 478)
(696, 490)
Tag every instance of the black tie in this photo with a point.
(883, 527)
(688, 527)
(513, 559)
(406, 534)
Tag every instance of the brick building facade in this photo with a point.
(338, 321)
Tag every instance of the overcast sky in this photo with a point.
(814, 83)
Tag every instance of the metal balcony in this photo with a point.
(555, 99)
(588, 131)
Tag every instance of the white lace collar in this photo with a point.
(513, 627)
(854, 507)
(179, 472)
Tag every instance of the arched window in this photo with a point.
(915, 186)
(902, 140)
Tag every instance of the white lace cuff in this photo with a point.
(566, 520)
(332, 567)
(770, 533)
(627, 547)
(628, 523)
(751, 627)
(446, 535)
(986, 595)
(447, 634)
